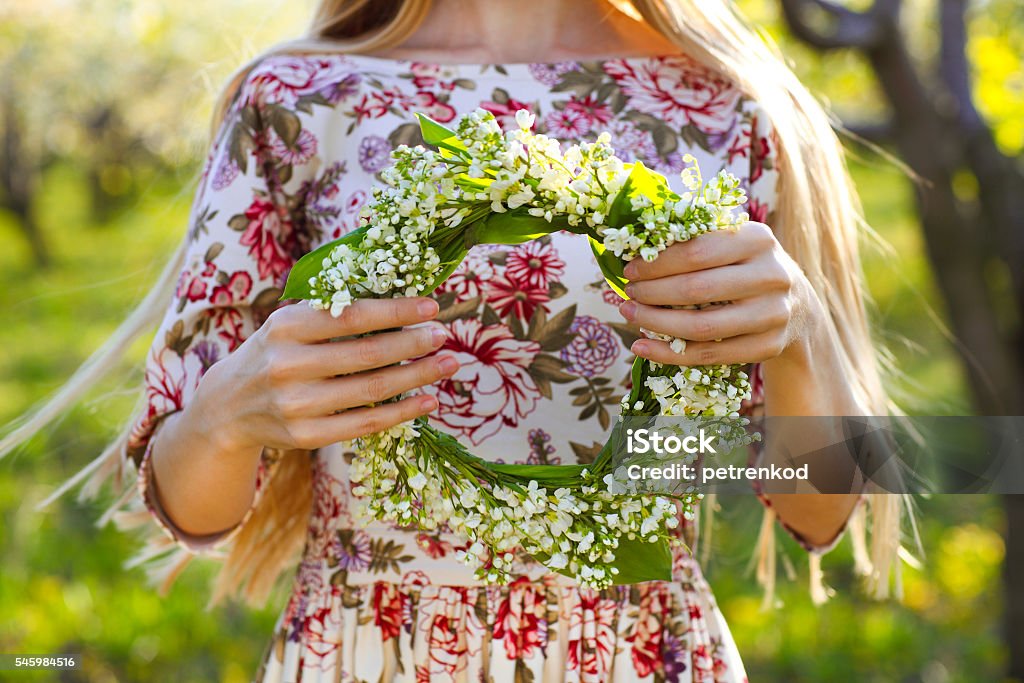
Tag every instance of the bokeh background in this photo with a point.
(103, 113)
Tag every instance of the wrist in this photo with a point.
(216, 422)
(811, 340)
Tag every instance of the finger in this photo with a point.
(367, 353)
(322, 431)
(749, 316)
(725, 283)
(301, 322)
(748, 348)
(352, 391)
(710, 250)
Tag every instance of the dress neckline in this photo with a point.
(507, 69)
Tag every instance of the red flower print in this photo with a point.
(192, 285)
(701, 662)
(284, 79)
(567, 124)
(389, 606)
(646, 652)
(596, 112)
(534, 263)
(493, 387)
(429, 104)
(469, 277)
(679, 91)
(758, 210)
(761, 151)
(511, 297)
(521, 620)
(267, 224)
(591, 636)
(372, 106)
(165, 392)
(323, 631)
(433, 546)
(609, 295)
(505, 112)
(330, 510)
(230, 325)
(447, 647)
(381, 102)
(719, 668)
(426, 76)
(233, 291)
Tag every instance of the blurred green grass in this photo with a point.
(62, 589)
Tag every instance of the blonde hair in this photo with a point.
(817, 220)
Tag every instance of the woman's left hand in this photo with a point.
(773, 308)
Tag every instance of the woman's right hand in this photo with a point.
(288, 386)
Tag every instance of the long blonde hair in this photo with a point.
(818, 221)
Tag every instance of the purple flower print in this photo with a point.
(225, 175)
(347, 86)
(550, 74)
(299, 153)
(374, 153)
(207, 352)
(592, 350)
(541, 448)
(673, 657)
(353, 550)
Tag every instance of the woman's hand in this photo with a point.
(772, 305)
(289, 386)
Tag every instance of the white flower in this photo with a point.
(524, 119)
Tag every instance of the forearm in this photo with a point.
(203, 483)
(809, 380)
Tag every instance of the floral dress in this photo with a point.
(544, 360)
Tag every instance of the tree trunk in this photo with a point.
(18, 178)
(939, 132)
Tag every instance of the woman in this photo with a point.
(247, 399)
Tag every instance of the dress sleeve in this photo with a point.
(242, 240)
(762, 192)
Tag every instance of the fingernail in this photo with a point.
(428, 403)
(448, 365)
(629, 272)
(427, 308)
(630, 291)
(628, 310)
(638, 348)
(437, 335)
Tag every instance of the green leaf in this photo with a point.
(440, 136)
(542, 473)
(645, 181)
(611, 267)
(640, 560)
(511, 227)
(311, 264)
(621, 213)
(446, 271)
(286, 124)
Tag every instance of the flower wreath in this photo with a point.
(485, 186)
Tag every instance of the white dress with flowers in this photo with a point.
(544, 360)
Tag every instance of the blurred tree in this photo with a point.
(970, 200)
(99, 85)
